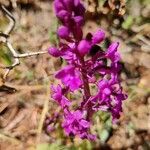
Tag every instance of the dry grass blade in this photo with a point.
(8, 138)
(16, 120)
(43, 115)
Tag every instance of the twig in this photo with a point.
(30, 54)
(11, 19)
(4, 35)
(4, 38)
(27, 87)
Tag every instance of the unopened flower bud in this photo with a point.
(98, 37)
(84, 47)
(63, 32)
(54, 51)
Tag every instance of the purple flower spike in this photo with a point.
(86, 64)
(98, 37)
(63, 32)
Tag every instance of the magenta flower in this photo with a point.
(86, 63)
(75, 124)
(70, 77)
(109, 98)
(58, 96)
(112, 53)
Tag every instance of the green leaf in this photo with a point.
(30, 75)
(85, 145)
(52, 33)
(46, 146)
(5, 56)
(104, 135)
(128, 22)
(105, 130)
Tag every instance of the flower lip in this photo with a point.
(57, 95)
(112, 53)
(70, 76)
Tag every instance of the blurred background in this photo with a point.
(25, 99)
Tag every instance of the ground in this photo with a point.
(24, 106)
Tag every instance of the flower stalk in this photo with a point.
(86, 87)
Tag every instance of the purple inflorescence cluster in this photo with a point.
(84, 62)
